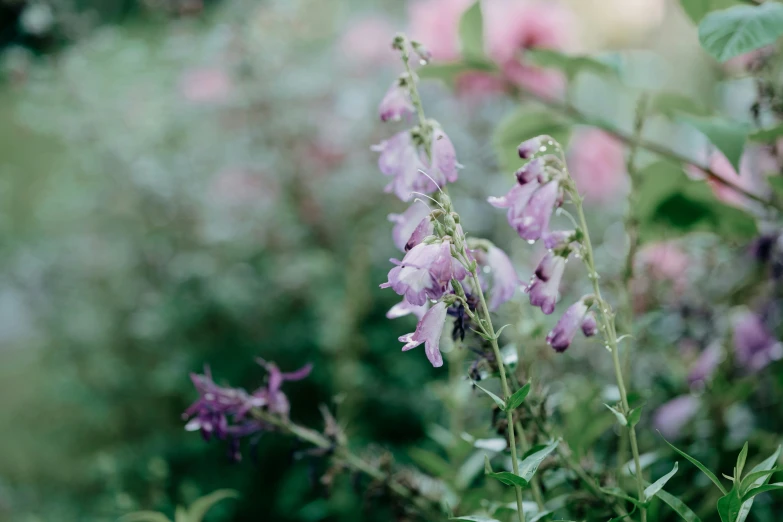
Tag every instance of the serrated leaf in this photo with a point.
(741, 458)
(523, 124)
(571, 65)
(516, 400)
(144, 516)
(474, 518)
(729, 137)
(634, 416)
(699, 465)
(471, 33)
(740, 29)
(697, 9)
(678, 506)
(529, 465)
(766, 464)
(619, 415)
(658, 485)
(494, 397)
(200, 506)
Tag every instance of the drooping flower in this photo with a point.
(428, 331)
(406, 223)
(528, 148)
(543, 292)
(516, 201)
(597, 161)
(404, 308)
(532, 170)
(425, 272)
(558, 238)
(671, 417)
(574, 318)
(396, 104)
(499, 267)
(400, 158)
(444, 158)
(424, 229)
(754, 345)
(535, 219)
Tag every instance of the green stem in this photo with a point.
(535, 484)
(610, 335)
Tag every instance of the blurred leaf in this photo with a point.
(740, 29)
(523, 124)
(766, 464)
(448, 73)
(180, 514)
(658, 485)
(678, 506)
(699, 465)
(768, 135)
(471, 34)
(494, 397)
(697, 9)
(741, 458)
(516, 400)
(144, 516)
(619, 415)
(430, 462)
(635, 415)
(729, 137)
(529, 465)
(571, 65)
(200, 507)
(670, 104)
(616, 492)
(474, 518)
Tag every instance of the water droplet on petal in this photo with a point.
(531, 241)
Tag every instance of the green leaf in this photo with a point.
(509, 479)
(741, 458)
(516, 400)
(699, 465)
(697, 9)
(740, 29)
(523, 124)
(571, 65)
(494, 397)
(634, 416)
(729, 137)
(180, 514)
(474, 518)
(542, 514)
(761, 489)
(749, 479)
(617, 413)
(658, 485)
(729, 506)
(144, 516)
(671, 105)
(200, 507)
(766, 464)
(616, 492)
(471, 33)
(529, 465)
(768, 135)
(431, 462)
(678, 506)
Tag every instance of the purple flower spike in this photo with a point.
(404, 308)
(504, 277)
(531, 171)
(564, 331)
(528, 148)
(589, 325)
(544, 293)
(424, 273)
(558, 238)
(406, 223)
(444, 158)
(428, 332)
(396, 104)
(754, 345)
(535, 219)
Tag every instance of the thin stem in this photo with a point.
(414, 91)
(610, 335)
(535, 484)
(490, 331)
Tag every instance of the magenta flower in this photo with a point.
(671, 417)
(754, 345)
(406, 223)
(575, 317)
(425, 273)
(396, 104)
(543, 292)
(535, 219)
(428, 332)
(404, 308)
(504, 277)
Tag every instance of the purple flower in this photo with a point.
(444, 158)
(542, 292)
(428, 332)
(589, 325)
(406, 223)
(548, 265)
(558, 238)
(276, 401)
(535, 219)
(425, 272)
(504, 277)
(754, 345)
(705, 366)
(671, 417)
(401, 158)
(404, 308)
(424, 229)
(396, 104)
(564, 331)
(531, 171)
(515, 201)
(529, 147)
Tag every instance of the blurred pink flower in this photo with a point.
(597, 162)
(512, 26)
(750, 177)
(671, 417)
(206, 85)
(435, 23)
(659, 262)
(367, 41)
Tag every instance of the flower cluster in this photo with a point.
(540, 188)
(226, 412)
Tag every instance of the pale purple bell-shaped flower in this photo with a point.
(562, 335)
(401, 159)
(404, 308)
(671, 417)
(548, 265)
(425, 273)
(531, 171)
(535, 218)
(444, 163)
(407, 222)
(558, 238)
(505, 280)
(516, 201)
(754, 345)
(424, 229)
(589, 325)
(396, 104)
(428, 331)
(528, 148)
(543, 293)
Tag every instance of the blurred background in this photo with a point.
(190, 182)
